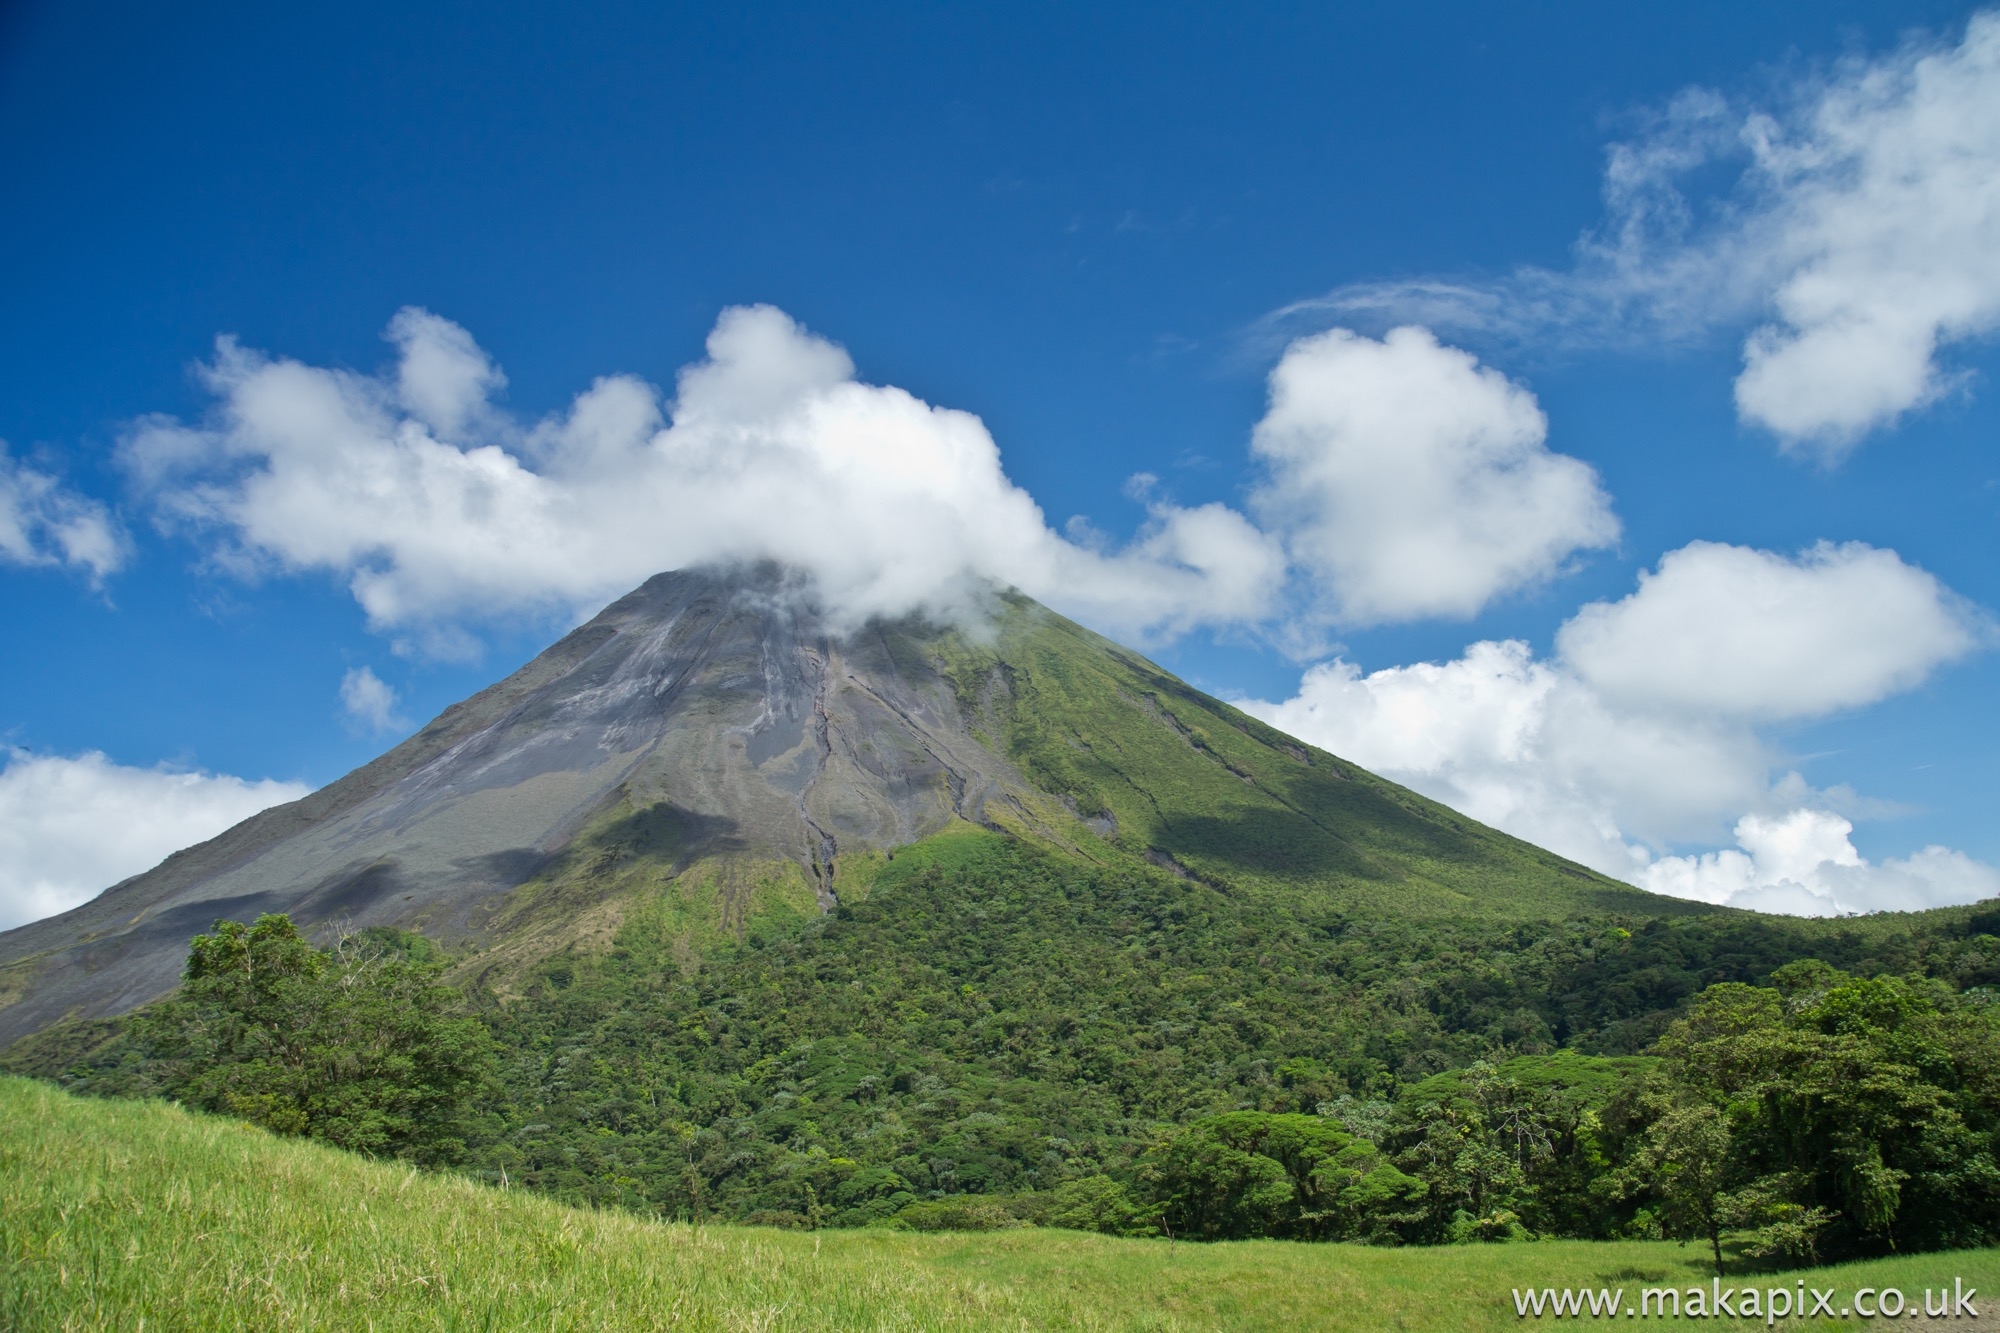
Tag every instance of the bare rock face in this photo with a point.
(712, 703)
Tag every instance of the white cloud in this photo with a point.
(369, 700)
(1883, 196)
(1410, 481)
(1642, 733)
(1731, 631)
(70, 828)
(1859, 240)
(1804, 863)
(443, 379)
(1525, 746)
(438, 508)
(43, 522)
(1403, 480)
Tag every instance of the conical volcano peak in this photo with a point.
(706, 722)
(723, 695)
(709, 750)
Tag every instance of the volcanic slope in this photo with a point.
(706, 748)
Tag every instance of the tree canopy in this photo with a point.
(360, 1044)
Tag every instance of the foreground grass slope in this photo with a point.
(128, 1215)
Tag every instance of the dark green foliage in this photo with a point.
(1097, 1203)
(1832, 1115)
(1514, 1149)
(1292, 1176)
(359, 1045)
(994, 1021)
(957, 1213)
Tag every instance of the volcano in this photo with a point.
(708, 748)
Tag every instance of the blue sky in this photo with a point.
(1100, 234)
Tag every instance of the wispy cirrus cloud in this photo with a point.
(1854, 239)
(45, 523)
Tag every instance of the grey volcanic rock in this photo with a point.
(714, 697)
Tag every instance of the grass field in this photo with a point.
(138, 1216)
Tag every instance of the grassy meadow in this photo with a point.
(135, 1215)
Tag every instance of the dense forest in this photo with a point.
(995, 1037)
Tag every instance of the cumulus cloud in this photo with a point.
(438, 507)
(369, 700)
(1803, 863)
(1410, 481)
(1736, 632)
(43, 522)
(1526, 746)
(1643, 731)
(1884, 202)
(72, 827)
(1858, 240)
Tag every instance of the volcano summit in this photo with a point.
(705, 747)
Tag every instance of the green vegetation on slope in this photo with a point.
(993, 1023)
(1164, 771)
(123, 1214)
(644, 867)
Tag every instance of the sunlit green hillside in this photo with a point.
(1171, 772)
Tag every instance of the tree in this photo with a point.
(359, 1045)
(1685, 1160)
(1098, 1203)
(1210, 1189)
(1782, 1228)
(1857, 1113)
(1251, 1173)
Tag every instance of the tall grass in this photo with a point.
(138, 1216)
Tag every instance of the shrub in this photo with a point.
(1251, 1173)
(965, 1213)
